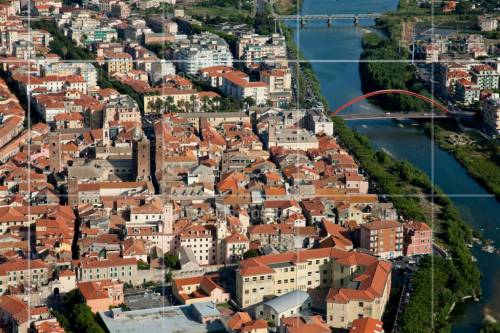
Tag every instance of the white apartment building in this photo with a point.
(86, 70)
(240, 87)
(255, 48)
(200, 51)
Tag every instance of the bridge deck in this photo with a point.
(327, 17)
(413, 115)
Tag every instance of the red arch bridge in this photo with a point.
(398, 115)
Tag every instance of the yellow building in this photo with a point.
(358, 284)
(118, 63)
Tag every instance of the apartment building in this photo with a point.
(254, 48)
(234, 246)
(291, 138)
(467, 92)
(94, 269)
(37, 38)
(383, 238)
(172, 96)
(358, 283)
(201, 239)
(279, 82)
(200, 51)
(491, 114)
(240, 88)
(485, 76)
(120, 63)
(16, 315)
(417, 238)
(277, 274)
(22, 271)
(86, 70)
(10, 127)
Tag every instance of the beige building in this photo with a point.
(93, 269)
(255, 48)
(292, 138)
(201, 240)
(186, 100)
(279, 80)
(358, 283)
(198, 289)
(240, 88)
(20, 271)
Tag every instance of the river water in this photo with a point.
(334, 54)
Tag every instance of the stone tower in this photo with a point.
(73, 199)
(142, 156)
(55, 163)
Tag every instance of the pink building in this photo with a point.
(417, 239)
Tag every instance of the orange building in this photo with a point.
(100, 295)
(383, 238)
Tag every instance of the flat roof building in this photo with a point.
(184, 318)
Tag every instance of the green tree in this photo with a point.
(251, 254)
(172, 261)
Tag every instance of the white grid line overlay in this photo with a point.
(298, 62)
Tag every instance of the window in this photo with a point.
(361, 304)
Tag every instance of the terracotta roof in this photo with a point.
(381, 224)
(366, 325)
(238, 319)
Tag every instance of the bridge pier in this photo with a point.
(356, 20)
(329, 22)
(302, 22)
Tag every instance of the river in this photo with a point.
(334, 55)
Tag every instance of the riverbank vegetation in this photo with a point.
(452, 278)
(480, 157)
(306, 77)
(224, 8)
(381, 68)
(490, 327)
(288, 7)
